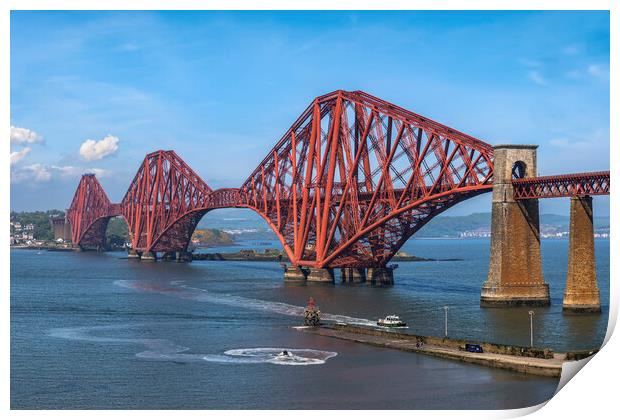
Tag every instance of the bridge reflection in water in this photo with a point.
(347, 185)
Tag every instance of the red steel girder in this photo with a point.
(89, 213)
(350, 181)
(355, 177)
(164, 202)
(569, 185)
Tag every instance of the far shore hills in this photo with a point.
(234, 227)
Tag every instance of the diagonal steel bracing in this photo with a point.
(349, 182)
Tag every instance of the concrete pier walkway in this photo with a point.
(541, 362)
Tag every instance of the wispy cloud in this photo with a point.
(537, 78)
(572, 49)
(588, 140)
(36, 172)
(72, 171)
(574, 74)
(530, 63)
(40, 173)
(599, 71)
(129, 47)
(17, 156)
(565, 142)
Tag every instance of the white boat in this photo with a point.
(391, 321)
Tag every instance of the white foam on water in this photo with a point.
(183, 291)
(166, 351)
(295, 357)
(87, 334)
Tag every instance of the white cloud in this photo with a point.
(97, 150)
(17, 156)
(599, 71)
(73, 171)
(21, 135)
(39, 173)
(537, 78)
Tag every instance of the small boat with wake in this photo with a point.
(285, 354)
(391, 321)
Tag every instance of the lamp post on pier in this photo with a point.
(531, 328)
(445, 308)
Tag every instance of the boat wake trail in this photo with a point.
(164, 350)
(177, 288)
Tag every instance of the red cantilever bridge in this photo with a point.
(349, 182)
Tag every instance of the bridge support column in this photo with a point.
(169, 256)
(149, 256)
(132, 254)
(515, 270)
(294, 273)
(184, 256)
(581, 293)
(352, 275)
(380, 276)
(320, 275)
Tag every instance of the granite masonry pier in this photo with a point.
(374, 276)
(581, 293)
(515, 270)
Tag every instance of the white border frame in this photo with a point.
(593, 393)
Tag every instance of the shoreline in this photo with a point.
(232, 256)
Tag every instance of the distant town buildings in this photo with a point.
(22, 234)
(546, 231)
(25, 234)
(483, 232)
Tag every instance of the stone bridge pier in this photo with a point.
(581, 293)
(515, 272)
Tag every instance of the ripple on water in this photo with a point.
(167, 351)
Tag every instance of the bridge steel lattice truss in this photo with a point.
(349, 182)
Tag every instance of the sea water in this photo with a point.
(95, 330)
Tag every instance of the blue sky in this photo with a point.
(222, 87)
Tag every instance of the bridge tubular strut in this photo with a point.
(345, 187)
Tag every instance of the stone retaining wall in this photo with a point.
(450, 342)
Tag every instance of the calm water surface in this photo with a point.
(98, 331)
